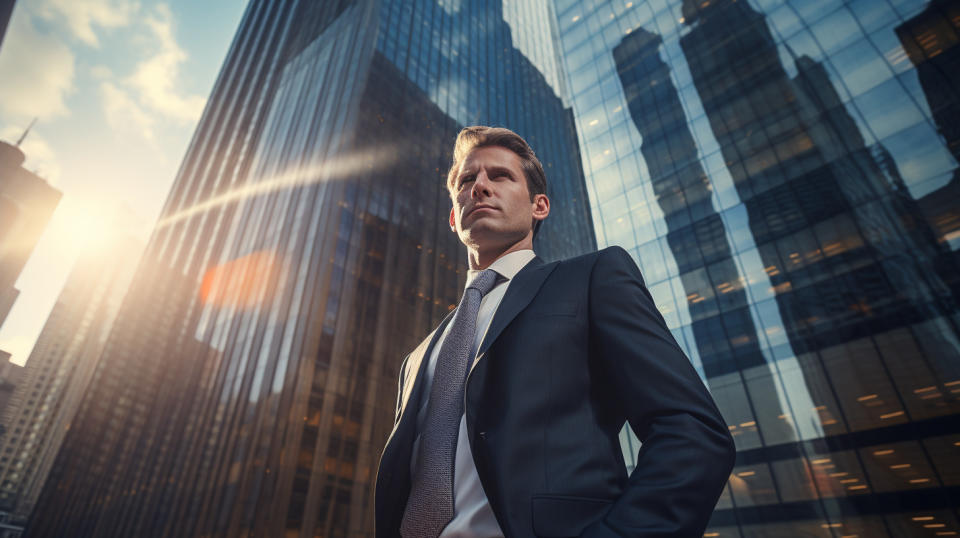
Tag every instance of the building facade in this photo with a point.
(59, 369)
(6, 11)
(248, 384)
(26, 205)
(10, 376)
(784, 175)
(930, 39)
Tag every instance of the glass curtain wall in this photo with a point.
(249, 383)
(785, 174)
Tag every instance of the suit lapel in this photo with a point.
(412, 380)
(523, 288)
(521, 291)
(393, 473)
(416, 363)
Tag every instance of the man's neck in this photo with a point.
(482, 260)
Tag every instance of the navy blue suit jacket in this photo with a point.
(575, 349)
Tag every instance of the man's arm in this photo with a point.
(687, 452)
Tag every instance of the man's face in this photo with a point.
(491, 201)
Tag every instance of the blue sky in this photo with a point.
(117, 87)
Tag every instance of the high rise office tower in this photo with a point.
(10, 376)
(6, 10)
(820, 178)
(59, 369)
(533, 31)
(26, 205)
(931, 40)
(695, 231)
(801, 169)
(249, 383)
(790, 131)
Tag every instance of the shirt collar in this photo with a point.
(507, 266)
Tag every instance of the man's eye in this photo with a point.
(465, 180)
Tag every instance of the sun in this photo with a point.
(78, 226)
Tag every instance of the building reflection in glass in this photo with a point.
(722, 326)
(931, 40)
(787, 159)
(249, 384)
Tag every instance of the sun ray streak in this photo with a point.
(332, 169)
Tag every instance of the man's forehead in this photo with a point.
(490, 156)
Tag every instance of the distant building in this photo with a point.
(10, 376)
(59, 370)
(683, 194)
(942, 210)
(26, 205)
(6, 10)
(931, 39)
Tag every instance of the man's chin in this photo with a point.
(481, 237)
(477, 233)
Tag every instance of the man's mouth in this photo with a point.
(476, 207)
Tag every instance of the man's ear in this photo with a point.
(541, 206)
(453, 222)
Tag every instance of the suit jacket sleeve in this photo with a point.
(687, 452)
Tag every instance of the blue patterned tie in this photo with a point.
(430, 505)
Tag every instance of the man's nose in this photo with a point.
(481, 186)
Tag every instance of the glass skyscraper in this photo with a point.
(27, 202)
(784, 173)
(248, 385)
(785, 176)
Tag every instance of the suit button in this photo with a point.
(483, 435)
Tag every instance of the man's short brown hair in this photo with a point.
(479, 136)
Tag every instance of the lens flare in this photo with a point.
(242, 282)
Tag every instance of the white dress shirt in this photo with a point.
(473, 517)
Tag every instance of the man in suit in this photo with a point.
(508, 413)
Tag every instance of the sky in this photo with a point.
(116, 87)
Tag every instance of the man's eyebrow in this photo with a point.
(499, 171)
(494, 171)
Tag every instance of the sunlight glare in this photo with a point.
(332, 169)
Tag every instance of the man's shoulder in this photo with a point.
(611, 253)
(585, 267)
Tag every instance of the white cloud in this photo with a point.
(37, 73)
(139, 102)
(123, 112)
(81, 16)
(155, 79)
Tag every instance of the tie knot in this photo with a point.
(484, 281)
